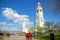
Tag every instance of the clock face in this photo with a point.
(39, 10)
(41, 20)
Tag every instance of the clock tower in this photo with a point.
(39, 16)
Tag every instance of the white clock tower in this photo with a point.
(39, 16)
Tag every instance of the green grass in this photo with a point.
(1, 37)
(43, 36)
(47, 37)
(57, 37)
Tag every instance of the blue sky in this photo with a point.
(28, 7)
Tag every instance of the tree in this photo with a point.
(50, 26)
(40, 29)
(31, 29)
(53, 5)
(47, 26)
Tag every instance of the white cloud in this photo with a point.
(5, 28)
(11, 24)
(14, 16)
(3, 23)
(13, 27)
(10, 29)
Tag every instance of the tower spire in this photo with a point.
(39, 6)
(39, 3)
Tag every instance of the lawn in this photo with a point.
(47, 37)
(1, 37)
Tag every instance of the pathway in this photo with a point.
(16, 37)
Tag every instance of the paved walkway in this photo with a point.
(16, 37)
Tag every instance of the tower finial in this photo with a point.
(38, 2)
(38, 6)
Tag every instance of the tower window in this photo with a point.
(41, 17)
(37, 10)
(40, 10)
(41, 20)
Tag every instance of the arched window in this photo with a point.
(37, 10)
(41, 20)
(40, 10)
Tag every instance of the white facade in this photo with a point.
(39, 16)
(24, 29)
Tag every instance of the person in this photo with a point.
(1, 34)
(51, 35)
(28, 36)
(8, 35)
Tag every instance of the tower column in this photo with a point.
(39, 16)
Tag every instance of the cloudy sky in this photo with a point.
(13, 11)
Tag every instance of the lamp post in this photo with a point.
(35, 30)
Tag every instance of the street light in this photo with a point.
(35, 30)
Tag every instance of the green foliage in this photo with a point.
(57, 37)
(43, 36)
(31, 29)
(47, 37)
(40, 29)
(50, 26)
